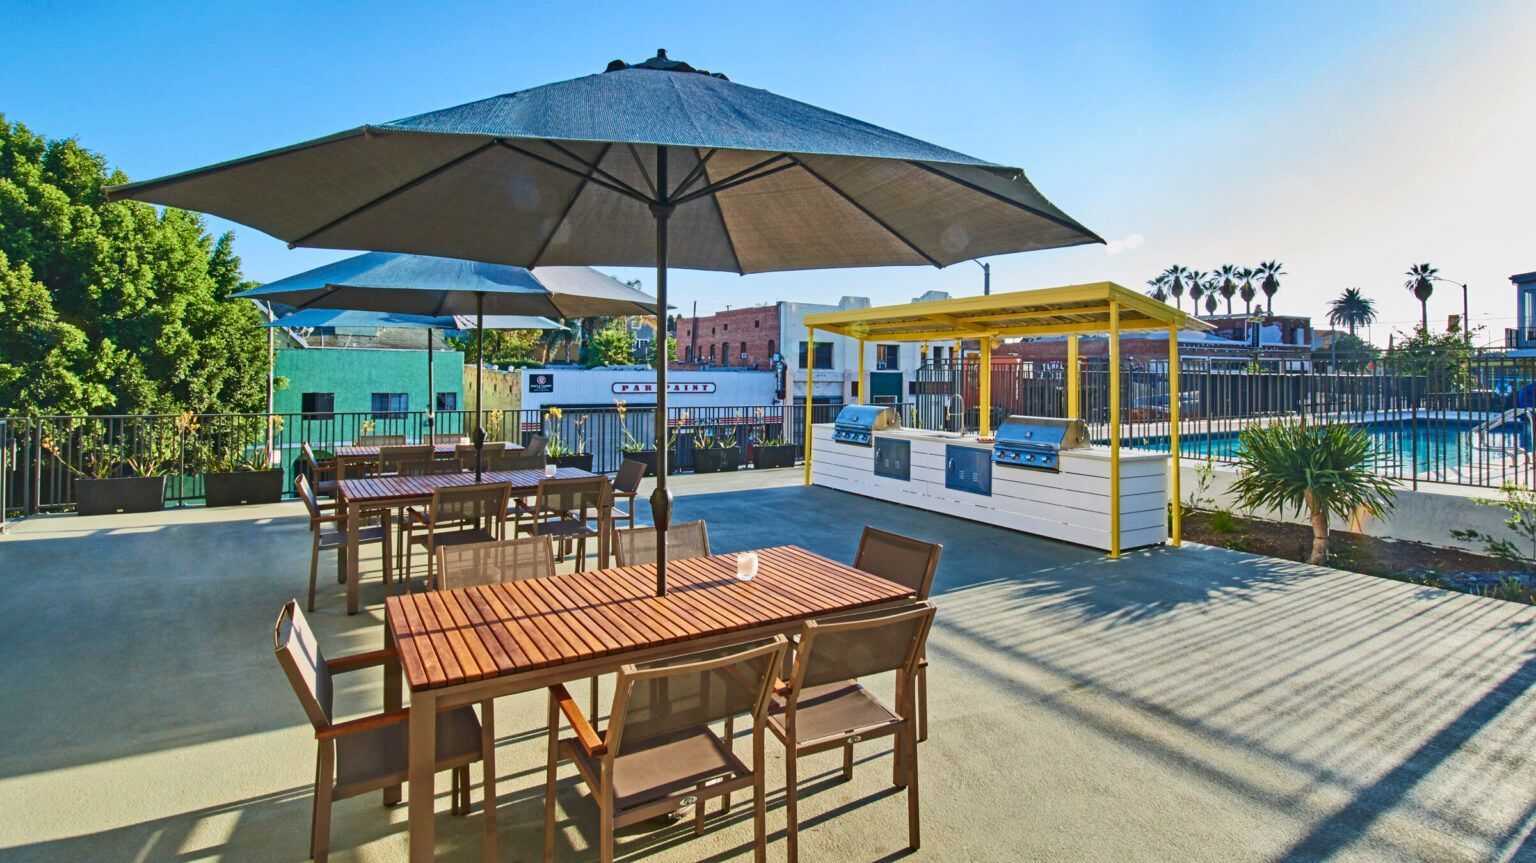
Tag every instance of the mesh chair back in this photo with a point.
(356, 466)
(470, 505)
(663, 697)
(902, 559)
(573, 496)
(390, 457)
(629, 476)
(444, 465)
(536, 445)
(447, 438)
(860, 645)
(380, 440)
(511, 459)
(495, 562)
(467, 450)
(684, 540)
(299, 654)
(309, 459)
(302, 488)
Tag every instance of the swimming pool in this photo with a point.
(1435, 449)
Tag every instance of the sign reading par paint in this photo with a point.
(631, 388)
(541, 382)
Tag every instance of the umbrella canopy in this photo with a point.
(310, 318)
(609, 168)
(434, 286)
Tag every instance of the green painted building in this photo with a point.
(372, 380)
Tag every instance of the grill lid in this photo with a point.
(1042, 432)
(869, 417)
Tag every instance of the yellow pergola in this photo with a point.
(1071, 310)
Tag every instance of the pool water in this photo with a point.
(1434, 447)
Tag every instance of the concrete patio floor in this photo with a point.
(1180, 704)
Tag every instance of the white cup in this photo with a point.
(746, 565)
(549, 470)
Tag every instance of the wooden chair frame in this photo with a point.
(324, 540)
(433, 521)
(924, 585)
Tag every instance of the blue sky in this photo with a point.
(1348, 140)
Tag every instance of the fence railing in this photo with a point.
(1464, 422)
(42, 456)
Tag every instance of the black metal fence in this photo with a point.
(42, 456)
(1464, 421)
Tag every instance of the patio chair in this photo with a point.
(510, 459)
(659, 751)
(561, 509)
(458, 515)
(324, 539)
(446, 438)
(380, 439)
(910, 563)
(823, 707)
(684, 540)
(411, 460)
(465, 453)
(626, 485)
(369, 753)
(495, 562)
(322, 476)
(356, 466)
(536, 445)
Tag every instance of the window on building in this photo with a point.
(447, 401)
(743, 351)
(888, 357)
(725, 353)
(823, 355)
(757, 325)
(772, 348)
(317, 405)
(390, 405)
(688, 353)
(725, 327)
(711, 354)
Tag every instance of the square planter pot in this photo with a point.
(580, 462)
(648, 458)
(119, 494)
(243, 487)
(773, 456)
(716, 460)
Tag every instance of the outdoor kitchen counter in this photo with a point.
(1072, 505)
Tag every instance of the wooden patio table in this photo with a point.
(389, 492)
(439, 450)
(458, 647)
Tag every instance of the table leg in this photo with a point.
(422, 730)
(354, 527)
(392, 700)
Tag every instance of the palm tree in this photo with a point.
(1196, 288)
(1176, 275)
(553, 340)
(1212, 288)
(1421, 282)
(1159, 288)
(1271, 272)
(1326, 469)
(1246, 290)
(1228, 286)
(1352, 309)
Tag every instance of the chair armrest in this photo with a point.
(418, 516)
(585, 735)
(352, 726)
(781, 689)
(360, 660)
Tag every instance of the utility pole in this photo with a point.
(986, 278)
(693, 333)
(1466, 322)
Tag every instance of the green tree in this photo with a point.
(610, 346)
(650, 354)
(502, 347)
(1195, 280)
(1442, 358)
(1352, 309)
(1229, 274)
(133, 316)
(1322, 469)
(1158, 288)
(1245, 288)
(1347, 353)
(1176, 282)
(1271, 271)
(1421, 283)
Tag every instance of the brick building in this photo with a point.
(735, 338)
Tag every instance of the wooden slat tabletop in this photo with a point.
(380, 489)
(451, 637)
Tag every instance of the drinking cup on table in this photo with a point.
(746, 565)
(549, 471)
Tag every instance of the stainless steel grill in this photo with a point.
(1037, 442)
(856, 424)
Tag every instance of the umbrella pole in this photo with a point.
(661, 498)
(431, 397)
(479, 378)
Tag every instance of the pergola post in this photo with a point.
(1173, 432)
(810, 371)
(863, 396)
(984, 422)
(1074, 393)
(1114, 428)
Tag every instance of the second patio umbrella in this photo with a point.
(599, 170)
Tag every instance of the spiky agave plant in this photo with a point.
(1322, 469)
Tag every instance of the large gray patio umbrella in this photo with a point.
(312, 317)
(435, 286)
(600, 170)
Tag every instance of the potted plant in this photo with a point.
(772, 451)
(238, 471)
(112, 478)
(561, 453)
(715, 450)
(633, 448)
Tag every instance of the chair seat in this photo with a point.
(335, 538)
(326, 486)
(567, 528)
(371, 759)
(654, 769)
(832, 710)
(453, 537)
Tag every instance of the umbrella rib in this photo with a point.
(593, 167)
(544, 246)
(1065, 223)
(740, 177)
(620, 189)
(644, 174)
(392, 193)
(868, 213)
(724, 229)
(698, 170)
